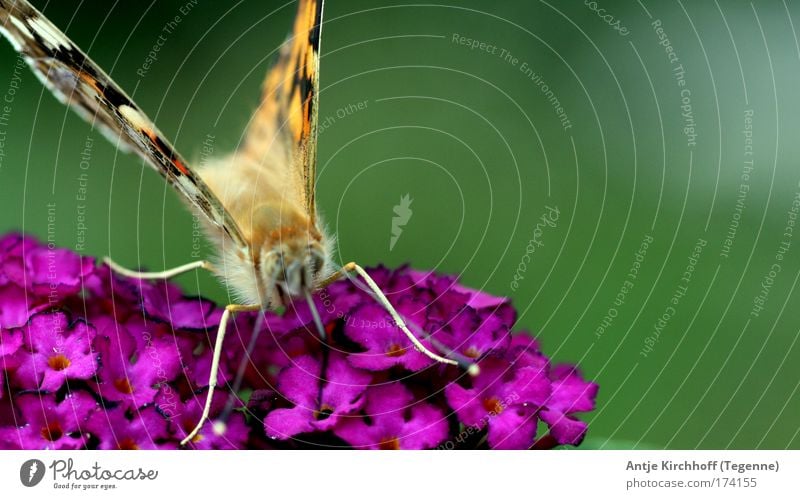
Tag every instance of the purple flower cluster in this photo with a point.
(89, 359)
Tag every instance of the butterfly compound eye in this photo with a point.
(317, 260)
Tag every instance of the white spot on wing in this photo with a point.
(49, 33)
(20, 25)
(134, 117)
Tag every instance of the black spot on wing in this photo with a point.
(203, 204)
(167, 150)
(316, 29)
(303, 82)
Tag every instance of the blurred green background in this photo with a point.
(474, 136)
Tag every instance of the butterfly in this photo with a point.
(258, 202)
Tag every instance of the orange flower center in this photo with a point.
(58, 362)
(472, 353)
(123, 386)
(395, 350)
(188, 426)
(493, 405)
(52, 432)
(127, 444)
(324, 412)
(392, 443)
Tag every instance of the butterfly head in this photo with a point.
(291, 269)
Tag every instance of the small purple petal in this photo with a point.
(512, 429)
(56, 272)
(565, 429)
(299, 383)
(286, 423)
(467, 405)
(167, 304)
(10, 341)
(17, 305)
(570, 392)
(340, 385)
(426, 428)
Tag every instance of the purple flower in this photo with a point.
(320, 391)
(55, 352)
(504, 398)
(115, 429)
(386, 344)
(393, 420)
(130, 374)
(47, 424)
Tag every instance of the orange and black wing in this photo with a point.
(81, 84)
(285, 125)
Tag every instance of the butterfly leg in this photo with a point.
(380, 297)
(212, 379)
(164, 274)
(223, 326)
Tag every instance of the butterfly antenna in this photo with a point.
(464, 362)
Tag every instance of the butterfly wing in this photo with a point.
(80, 83)
(285, 125)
